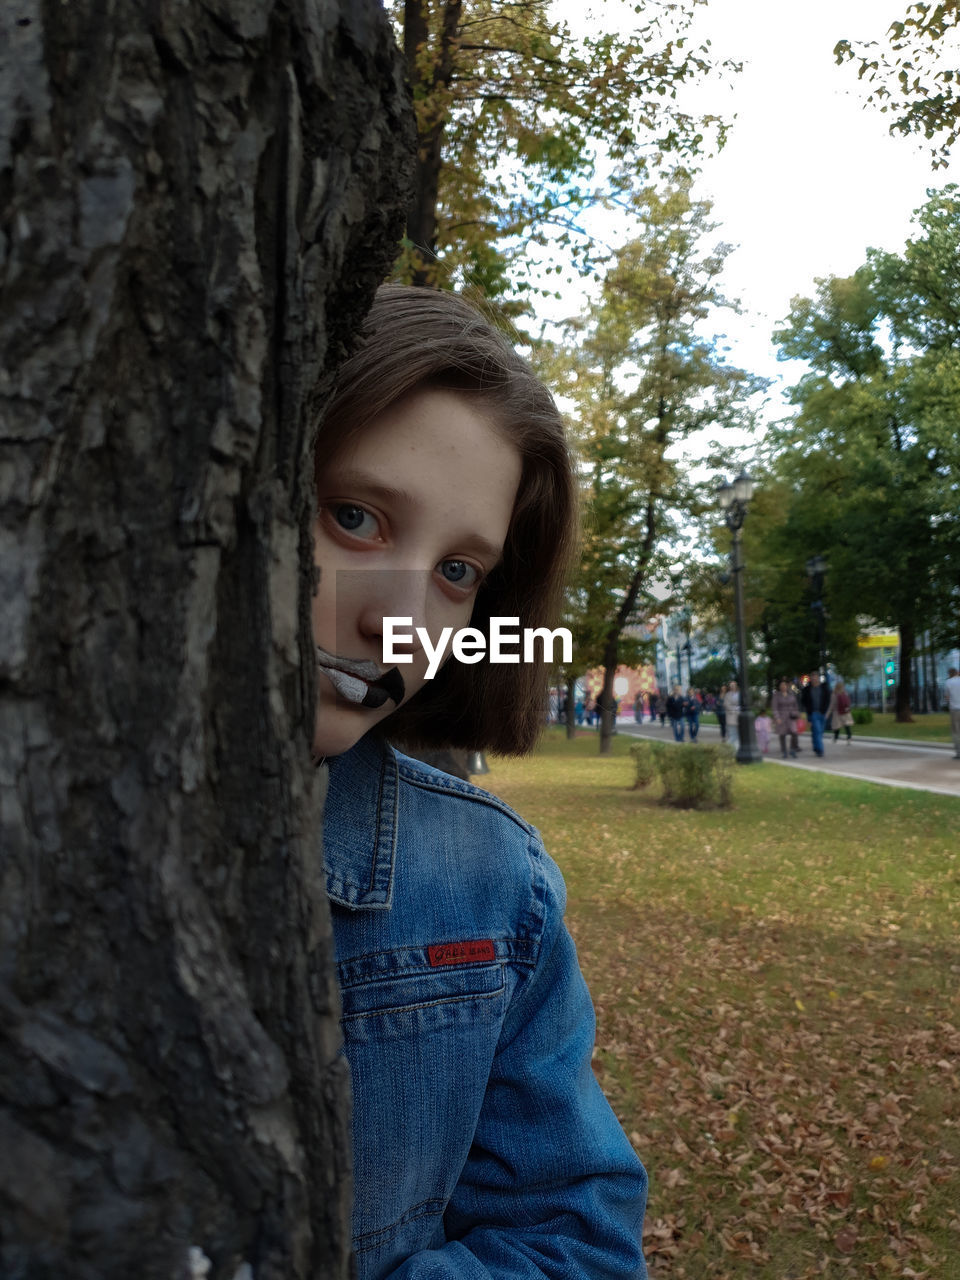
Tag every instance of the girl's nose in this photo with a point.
(395, 593)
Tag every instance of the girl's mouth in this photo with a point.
(360, 681)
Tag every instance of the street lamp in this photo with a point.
(683, 625)
(734, 498)
(816, 568)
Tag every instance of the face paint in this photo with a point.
(359, 680)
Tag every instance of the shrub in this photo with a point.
(697, 776)
(645, 762)
(862, 715)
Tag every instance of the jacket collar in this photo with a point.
(360, 826)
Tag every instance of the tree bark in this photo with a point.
(431, 84)
(196, 203)
(904, 695)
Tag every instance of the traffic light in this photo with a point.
(890, 672)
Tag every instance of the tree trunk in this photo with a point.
(611, 659)
(905, 684)
(572, 707)
(431, 83)
(197, 203)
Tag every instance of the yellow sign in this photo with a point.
(879, 642)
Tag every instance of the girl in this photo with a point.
(483, 1145)
(839, 713)
(763, 726)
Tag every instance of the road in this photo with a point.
(923, 766)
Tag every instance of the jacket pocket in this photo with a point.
(389, 998)
(420, 1048)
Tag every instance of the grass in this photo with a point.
(932, 727)
(777, 999)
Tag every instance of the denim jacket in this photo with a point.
(483, 1146)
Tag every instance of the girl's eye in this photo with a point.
(356, 520)
(459, 573)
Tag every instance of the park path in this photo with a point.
(923, 766)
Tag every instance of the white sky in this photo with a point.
(809, 178)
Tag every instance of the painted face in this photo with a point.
(412, 516)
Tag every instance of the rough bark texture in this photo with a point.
(196, 203)
(431, 83)
(905, 684)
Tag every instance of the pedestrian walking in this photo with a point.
(786, 713)
(731, 704)
(691, 713)
(675, 712)
(721, 712)
(763, 725)
(952, 689)
(839, 714)
(815, 700)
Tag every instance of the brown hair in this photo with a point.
(416, 337)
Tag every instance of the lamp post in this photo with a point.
(683, 626)
(734, 498)
(816, 568)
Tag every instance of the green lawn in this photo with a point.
(778, 997)
(933, 727)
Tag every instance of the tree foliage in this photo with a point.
(643, 380)
(516, 114)
(870, 464)
(916, 77)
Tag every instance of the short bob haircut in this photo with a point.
(417, 337)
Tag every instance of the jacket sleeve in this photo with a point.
(551, 1188)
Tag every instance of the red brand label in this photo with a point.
(461, 952)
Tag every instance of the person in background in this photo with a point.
(952, 690)
(731, 705)
(815, 700)
(763, 725)
(691, 713)
(839, 713)
(721, 712)
(674, 709)
(786, 713)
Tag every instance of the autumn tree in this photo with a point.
(196, 204)
(644, 380)
(514, 113)
(872, 454)
(915, 77)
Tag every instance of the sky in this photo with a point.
(809, 177)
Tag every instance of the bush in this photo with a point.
(645, 762)
(697, 776)
(862, 715)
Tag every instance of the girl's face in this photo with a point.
(412, 516)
